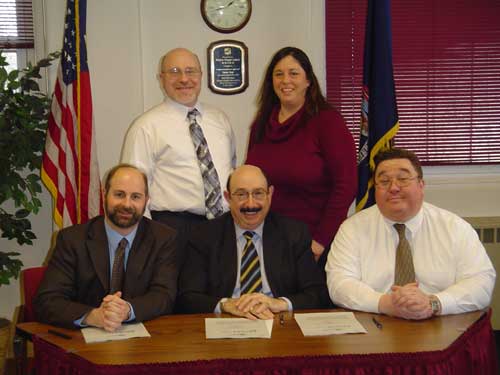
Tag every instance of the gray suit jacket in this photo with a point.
(210, 271)
(78, 274)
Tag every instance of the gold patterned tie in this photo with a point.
(250, 279)
(118, 268)
(404, 273)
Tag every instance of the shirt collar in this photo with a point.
(240, 231)
(413, 225)
(182, 109)
(114, 237)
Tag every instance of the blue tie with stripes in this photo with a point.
(250, 278)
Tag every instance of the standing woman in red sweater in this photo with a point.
(305, 149)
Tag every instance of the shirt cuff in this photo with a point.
(79, 322)
(132, 313)
(448, 304)
(372, 302)
(217, 309)
(288, 302)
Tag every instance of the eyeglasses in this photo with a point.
(243, 195)
(385, 182)
(177, 72)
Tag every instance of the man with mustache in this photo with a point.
(250, 262)
(112, 269)
(185, 147)
(404, 257)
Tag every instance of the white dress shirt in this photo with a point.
(450, 261)
(159, 143)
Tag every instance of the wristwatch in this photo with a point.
(435, 305)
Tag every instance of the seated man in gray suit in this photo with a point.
(112, 269)
(250, 262)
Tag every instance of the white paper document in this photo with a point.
(331, 323)
(237, 328)
(126, 331)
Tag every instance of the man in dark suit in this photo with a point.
(112, 269)
(250, 262)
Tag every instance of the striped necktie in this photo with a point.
(250, 278)
(404, 272)
(118, 272)
(211, 184)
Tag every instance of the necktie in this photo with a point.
(211, 184)
(404, 273)
(118, 269)
(250, 279)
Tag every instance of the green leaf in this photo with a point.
(30, 85)
(37, 202)
(3, 77)
(24, 111)
(9, 267)
(20, 214)
(30, 235)
(13, 85)
(13, 75)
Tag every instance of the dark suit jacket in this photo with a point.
(78, 275)
(210, 271)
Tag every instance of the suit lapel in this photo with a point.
(137, 257)
(272, 249)
(228, 256)
(97, 247)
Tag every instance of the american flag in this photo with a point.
(69, 168)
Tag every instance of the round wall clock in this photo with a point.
(226, 16)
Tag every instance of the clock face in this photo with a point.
(226, 16)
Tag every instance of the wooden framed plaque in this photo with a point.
(227, 67)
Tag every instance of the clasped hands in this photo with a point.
(110, 314)
(407, 302)
(254, 306)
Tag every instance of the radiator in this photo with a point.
(488, 229)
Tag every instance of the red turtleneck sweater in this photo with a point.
(312, 166)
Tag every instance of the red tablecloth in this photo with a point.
(473, 353)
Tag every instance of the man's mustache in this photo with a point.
(128, 210)
(250, 209)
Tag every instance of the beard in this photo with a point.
(113, 214)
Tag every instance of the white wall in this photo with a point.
(125, 40)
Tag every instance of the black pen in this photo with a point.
(60, 334)
(377, 323)
(282, 319)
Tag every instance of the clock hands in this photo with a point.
(223, 6)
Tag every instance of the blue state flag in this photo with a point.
(379, 113)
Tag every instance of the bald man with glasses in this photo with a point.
(250, 262)
(187, 149)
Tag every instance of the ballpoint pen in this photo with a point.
(60, 334)
(377, 323)
(282, 319)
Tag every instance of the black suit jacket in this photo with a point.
(78, 275)
(210, 271)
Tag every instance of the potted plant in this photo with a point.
(23, 121)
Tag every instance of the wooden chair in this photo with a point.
(30, 281)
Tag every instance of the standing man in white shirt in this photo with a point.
(186, 165)
(404, 257)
